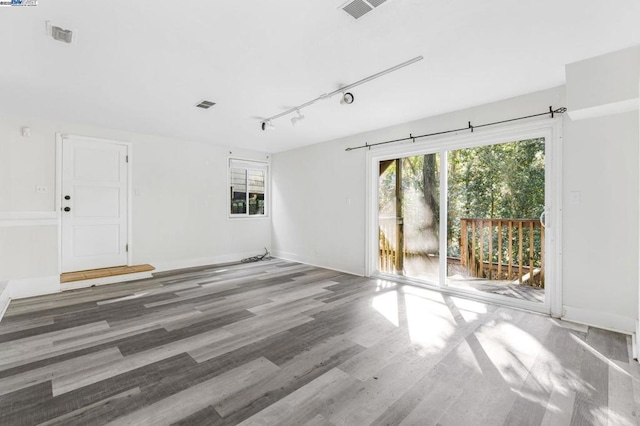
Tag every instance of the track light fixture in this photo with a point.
(267, 125)
(346, 97)
(296, 120)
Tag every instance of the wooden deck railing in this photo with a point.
(492, 249)
(386, 255)
(503, 249)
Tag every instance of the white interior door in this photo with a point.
(94, 204)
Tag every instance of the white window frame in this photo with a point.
(246, 163)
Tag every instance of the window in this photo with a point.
(247, 188)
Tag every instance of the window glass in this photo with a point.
(248, 187)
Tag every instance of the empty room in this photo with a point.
(320, 212)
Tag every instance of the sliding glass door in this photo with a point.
(469, 218)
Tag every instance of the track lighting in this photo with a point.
(296, 120)
(267, 125)
(347, 98)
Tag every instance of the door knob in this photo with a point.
(67, 209)
(67, 197)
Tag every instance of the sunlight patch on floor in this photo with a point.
(387, 304)
(430, 324)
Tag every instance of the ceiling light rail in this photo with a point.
(552, 112)
(346, 98)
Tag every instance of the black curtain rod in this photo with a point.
(551, 111)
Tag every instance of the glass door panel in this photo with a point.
(409, 217)
(495, 198)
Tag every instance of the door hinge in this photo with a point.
(126, 158)
(127, 247)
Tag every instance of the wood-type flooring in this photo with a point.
(277, 342)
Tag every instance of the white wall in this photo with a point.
(319, 191)
(313, 222)
(601, 163)
(601, 233)
(179, 201)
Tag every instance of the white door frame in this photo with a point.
(59, 139)
(551, 130)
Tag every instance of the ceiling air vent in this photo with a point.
(358, 8)
(205, 104)
(60, 34)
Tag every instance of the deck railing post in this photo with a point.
(463, 242)
(520, 252)
(481, 244)
(472, 265)
(541, 256)
(531, 277)
(490, 256)
(499, 249)
(510, 259)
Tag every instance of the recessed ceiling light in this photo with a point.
(205, 104)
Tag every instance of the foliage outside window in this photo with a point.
(247, 188)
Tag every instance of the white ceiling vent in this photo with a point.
(358, 8)
(60, 34)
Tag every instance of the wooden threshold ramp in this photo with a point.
(68, 277)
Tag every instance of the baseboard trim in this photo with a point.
(5, 298)
(74, 285)
(598, 319)
(203, 261)
(347, 269)
(30, 287)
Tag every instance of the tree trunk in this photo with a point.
(431, 197)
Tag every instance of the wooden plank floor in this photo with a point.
(277, 342)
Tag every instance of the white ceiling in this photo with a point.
(143, 65)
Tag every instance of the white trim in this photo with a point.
(28, 218)
(28, 215)
(267, 189)
(5, 298)
(465, 139)
(201, 261)
(130, 245)
(636, 336)
(604, 110)
(550, 129)
(634, 342)
(553, 246)
(29, 222)
(370, 220)
(29, 287)
(444, 208)
(74, 285)
(317, 262)
(600, 319)
(60, 137)
(58, 200)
